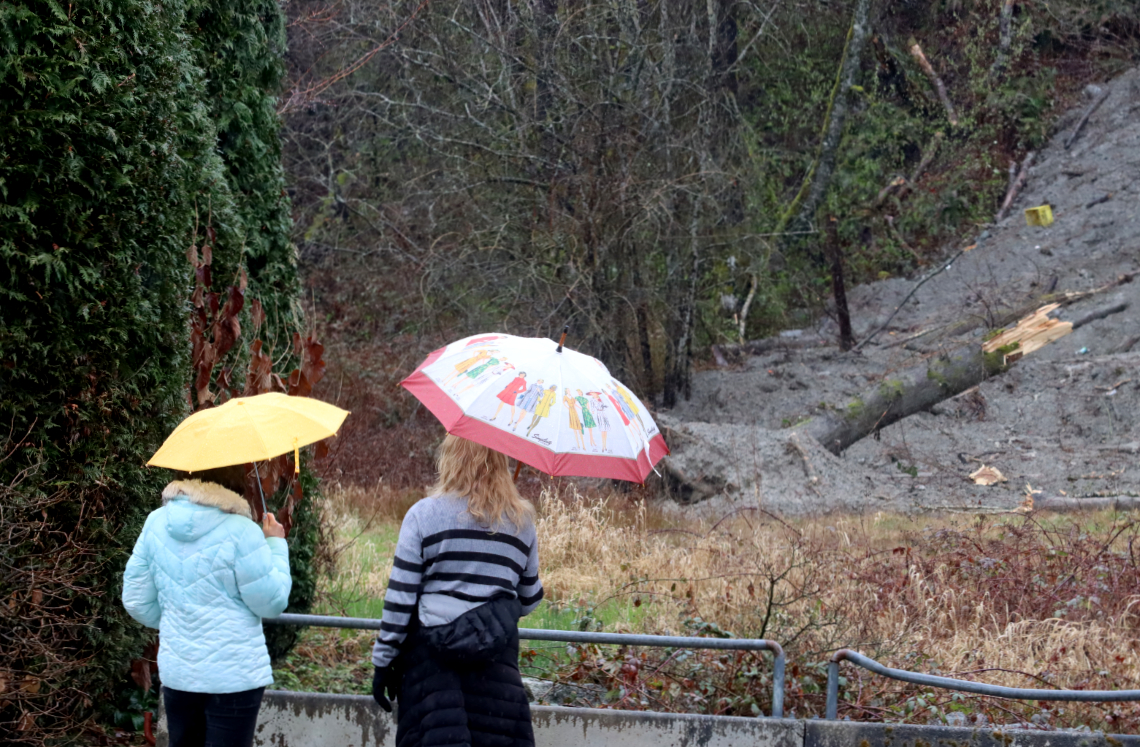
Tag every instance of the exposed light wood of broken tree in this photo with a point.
(1031, 333)
(986, 475)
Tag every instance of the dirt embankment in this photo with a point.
(1064, 420)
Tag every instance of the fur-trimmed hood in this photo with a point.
(187, 501)
(207, 494)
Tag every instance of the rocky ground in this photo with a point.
(1064, 420)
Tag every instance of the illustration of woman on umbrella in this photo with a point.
(464, 366)
(481, 374)
(528, 401)
(631, 402)
(614, 399)
(625, 406)
(509, 394)
(587, 420)
(598, 410)
(575, 421)
(542, 409)
(474, 371)
(485, 378)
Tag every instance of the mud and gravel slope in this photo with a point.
(1065, 419)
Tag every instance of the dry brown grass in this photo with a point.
(1020, 601)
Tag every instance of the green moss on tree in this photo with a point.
(891, 390)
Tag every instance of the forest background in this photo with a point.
(655, 175)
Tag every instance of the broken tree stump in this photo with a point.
(838, 286)
(1031, 333)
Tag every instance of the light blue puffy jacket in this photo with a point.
(204, 574)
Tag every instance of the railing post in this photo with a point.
(832, 709)
(778, 681)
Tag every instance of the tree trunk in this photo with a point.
(838, 287)
(1003, 315)
(725, 54)
(646, 349)
(918, 390)
(894, 399)
(939, 87)
(546, 29)
(1005, 36)
(681, 378)
(798, 217)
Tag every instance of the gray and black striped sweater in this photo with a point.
(447, 564)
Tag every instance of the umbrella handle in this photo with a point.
(259, 490)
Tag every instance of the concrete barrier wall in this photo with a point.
(290, 719)
(311, 719)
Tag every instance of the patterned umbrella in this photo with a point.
(548, 406)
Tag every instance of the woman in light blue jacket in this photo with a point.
(204, 574)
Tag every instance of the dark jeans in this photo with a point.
(205, 720)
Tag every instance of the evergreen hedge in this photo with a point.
(240, 45)
(109, 158)
(103, 141)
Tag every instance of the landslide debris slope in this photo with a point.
(1064, 420)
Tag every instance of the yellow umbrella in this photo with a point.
(247, 429)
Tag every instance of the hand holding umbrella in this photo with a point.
(270, 525)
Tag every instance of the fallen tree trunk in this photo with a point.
(896, 398)
(917, 390)
(942, 378)
(1062, 504)
(1072, 138)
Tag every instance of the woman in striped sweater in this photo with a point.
(466, 569)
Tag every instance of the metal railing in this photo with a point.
(949, 683)
(575, 636)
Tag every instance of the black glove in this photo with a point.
(381, 681)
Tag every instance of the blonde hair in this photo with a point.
(483, 477)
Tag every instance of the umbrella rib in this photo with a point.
(559, 400)
(264, 446)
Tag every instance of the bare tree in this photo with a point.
(534, 165)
